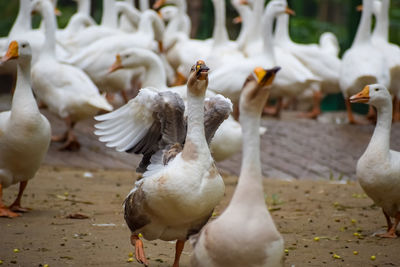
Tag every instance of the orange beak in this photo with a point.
(12, 52)
(57, 12)
(201, 70)
(361, 97)
(359, 8)
(265, 76)
(117, 64)
(290, 11)
(237, 20)
(158, 4)
(244, 2)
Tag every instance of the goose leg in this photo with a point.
(71, 143)
(139, 250)
(396, 109)
(16, 206)
(391, 233)
(388, 221)
(4, 211)
(180, 244)
(316, 110)
(349, 112)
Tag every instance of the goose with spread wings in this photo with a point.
(180, 185)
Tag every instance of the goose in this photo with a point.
(227, 139)
(25, 132)
(378, 169)
(380, 37)
(180, 185)
(244, 234)
(370, 62)
(253, 42)
(125, 22)
(321, 62)
(99, 56)
(245, 15)
(66, 90)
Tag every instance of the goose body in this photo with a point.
(66, 90)
(370, 62)
(378, 169)
(244, 234)
(180, 185)
(25, 132)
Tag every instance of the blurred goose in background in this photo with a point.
(380, 38)
(25, 133)
(320, 61)
(371, 66)
(245, 18)
(378, 169)
(96, 59)
(180, 185)
(66, 90)
(227, 139)
(125, 21)
(245, 233)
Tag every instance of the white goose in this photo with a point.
(380, 37)
(99, 56)
(371, 66)
(244, 234)
(181, 185)
(378, 169)
(66, 90)
(25, 133)
(321, 62)
(227, 139)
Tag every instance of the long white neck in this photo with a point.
(258, 9)
(364, 27)
(155, 75)
(50, 23)
(182, 6)
(246, 14)
(282, 30)
(220, 34)
(249, 188)
(381, 29)
(109, 17)
(84, 7)
(151, 24)
(267, 34)
(23, 21)
(195, 127)
(144, 5)
(23, 102)
(380, 140)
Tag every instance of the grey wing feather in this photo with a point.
(168, 128)
(216, 110)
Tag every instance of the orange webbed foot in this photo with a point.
(6, 212)
(18, 208)
(388, 234)
(139, 250)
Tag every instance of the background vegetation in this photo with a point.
(313, 17)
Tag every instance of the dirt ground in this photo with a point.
(323, 223)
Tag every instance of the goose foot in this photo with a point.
(16, 206)
(388, 234)
(59, 138)
(72, 144)
(139, 250)
(310, 115)
(391, 233)
(6, 212)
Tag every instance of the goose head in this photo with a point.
(134, 58)
(377, 7)
(374, 94)
(278, 7)
(256, 89)
(198, 79)
(168, 12)
(20, 50)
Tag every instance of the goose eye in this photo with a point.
(376, 89)
(24, 45)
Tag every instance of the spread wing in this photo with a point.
(148, 123)
(216, 110)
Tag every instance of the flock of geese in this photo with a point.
(181, 130)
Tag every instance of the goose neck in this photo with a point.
(381, 29)
(155, 73)
(249, 186)
(109, 17)
(23, 97)
(282, 30)
(144, 5)
(50, 23)
(84, 7)
(268, 38)
(380, 140)
(363, 34)
(220, 34)
(23, 21)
